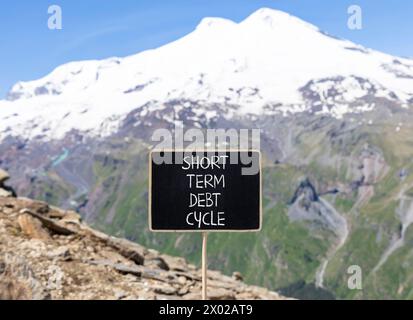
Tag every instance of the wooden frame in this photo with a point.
(202, 230)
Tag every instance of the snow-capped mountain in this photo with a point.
(270, 62)
(336, 121)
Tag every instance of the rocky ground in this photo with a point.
(49, 253)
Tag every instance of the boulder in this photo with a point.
(156, 262)
(5, 193)
(53, 225)
(72, 216)
(32, 227)
(220, 294)
(62, 253)
(4, 176)
(237, 276)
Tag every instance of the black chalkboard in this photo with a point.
(205, 191)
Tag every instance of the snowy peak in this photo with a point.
(276, 19)
(269, 62)
(72, 77)
(214, 23)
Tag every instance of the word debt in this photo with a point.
(206, 219)
(202, 200)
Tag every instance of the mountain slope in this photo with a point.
(48, 253)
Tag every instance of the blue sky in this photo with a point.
(95, 29)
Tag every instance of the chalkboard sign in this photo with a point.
(205, 191)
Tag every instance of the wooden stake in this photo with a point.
(204, 265)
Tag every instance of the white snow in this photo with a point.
(260, 61)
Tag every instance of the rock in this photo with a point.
(220, 294)
(56, 213)
(237, 276)
(46, 252)
(32, 227)
(39, 207)
(221, 283)
(72, 216)
(55, 277)
(183, 291)
(50, 224)
(167, 297)
(13, 290)
(164, 289)
(19, 282)
(123, 269)
(112, 256)
(60, 253)
(175, 263)
(5, 193)
(156, 262)
(192, 296)
(182, 280)
(4, 176)
(119, 294)
(245, 296)
(10, 190)
(127, 249)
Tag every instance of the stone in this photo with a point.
(14, 290)
(4, 176)
(164, 289)
(193, 296)
(5, 193)
(129, 250)
(120, 294)
(121, 268)
(126, 248)
(55, 277)
(175, 263)
(53, 225)
(56, 213)
(237, 276)
(62, 252)
(167, 297)
(245, 296)
(183, 291)
(88, 264)
(220, 294)
(72, 216)
(112, 256)
(19, 280)
(182, 280)
(39, 207)
(217, 283)
(32, 227)
(157, 262)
